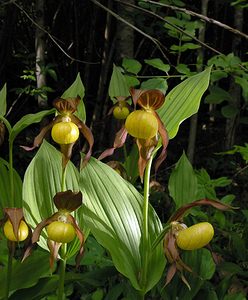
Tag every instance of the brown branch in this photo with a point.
(51, 37)
(171, 24)
(202, 17)
(154, 40)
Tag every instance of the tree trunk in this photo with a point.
(40, 51)
(124, 33)
(235, 90)
(194, 118)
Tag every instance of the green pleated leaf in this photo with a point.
(183, 101)
(183, 182)
(77, 89)
(27, 120)
(42, 180)
(3, 102)
(5, 186)
(113, 212)
(118, 85)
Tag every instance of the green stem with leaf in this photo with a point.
(146, 246)
(63, 251)
(145, 237)
(9, 268)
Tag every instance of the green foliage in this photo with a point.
(5, 186)
(242, 150)
(27, 120)
(183, 101)
(77, 89)
(158, 64)
(113, 212)
(118, 85)
(183, 183)
(42, 180)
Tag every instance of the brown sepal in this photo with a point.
(36, 234)
(15, 215)
(135, 94)
(151, 99)
(66, 106)
(80, 236)
(54, 251)
(119, 141)
(85, 130)
(178, 215)
(145, 147)
(173, 256)
(39, 138)
(68, 200)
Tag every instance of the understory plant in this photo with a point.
(96, 199)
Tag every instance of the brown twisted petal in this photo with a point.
(85, 130)
(68, 105)
(54, 251)
(151, 99)
(178, 215)
(135, 94)
(68, 200)
(39, 138)
(120, 139)
(172, 254)
(37, 232)
(80, 236)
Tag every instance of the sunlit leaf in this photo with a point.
(118, 85)
(113, 212)
(155, 83)
(131, 65)
(183, 182)
(183, 101)
(5, 187)
(77, 89)
(27, 120)
(158, 64)
(42, 180)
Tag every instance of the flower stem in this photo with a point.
(11, 175)
(145, 237)
(63, 179)
(62, 268)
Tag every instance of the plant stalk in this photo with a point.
(63, 179)
(145, 240)
(61, 285)
(11, 175)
